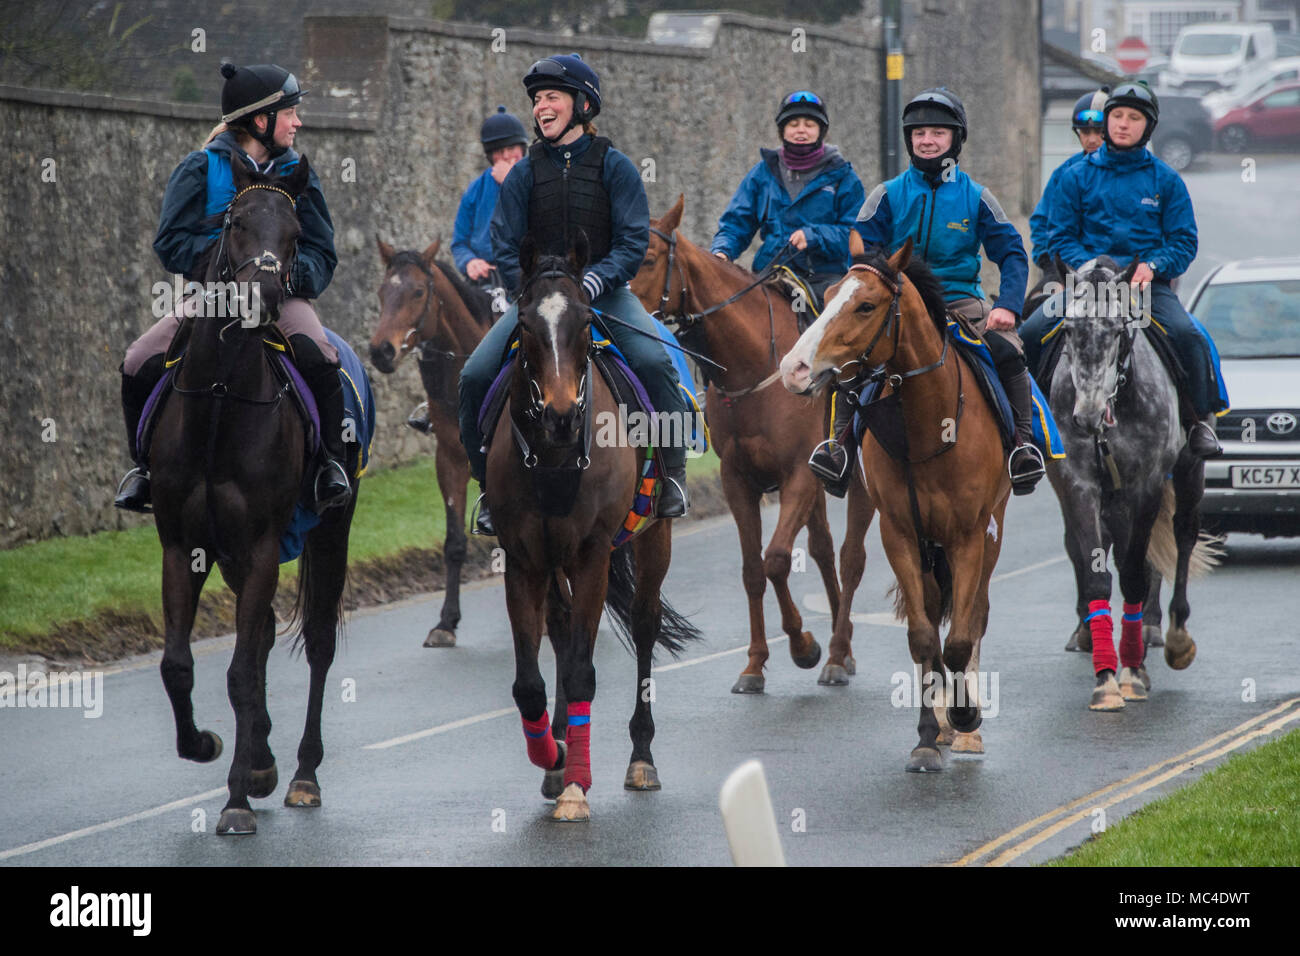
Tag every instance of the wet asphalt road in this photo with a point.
(466, 794)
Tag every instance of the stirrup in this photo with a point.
(666, 504)
(339, 497)
(419, 419)
(823, 456)
(1024, 482)
(133, 502)
(480, 518)
(1211, 450)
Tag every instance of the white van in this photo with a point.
(1282, 70)
(1215, 56)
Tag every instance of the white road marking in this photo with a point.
(441, 728)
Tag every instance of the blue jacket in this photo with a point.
(1038, 233)
(824, 210)
(629, 208)
(471, 238)
(948, 221)
(187, 225)
(1124, 204)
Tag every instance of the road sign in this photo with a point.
(1132, 54)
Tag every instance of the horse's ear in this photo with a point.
(429, 254)
(856, 248)
(386, 252)
(672, 219)
(1127, 274)
(580, 254)
(527, 255)
(900, 259)
(295, 184)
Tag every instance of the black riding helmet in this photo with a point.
(569, 73)
(500, 130)
(803, 103)
(1141, 98)
(1087, 112)
(938, 106)
(261, 89)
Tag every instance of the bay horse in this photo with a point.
(1128, 485)
(942, 502)
(228, 459)
(425, 305)
(763, 437)
(557, 502)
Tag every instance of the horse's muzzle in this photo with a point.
(562, 428)
(382, 357)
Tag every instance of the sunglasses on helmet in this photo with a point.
(548, 67)
(802, 96)
(1085, 117)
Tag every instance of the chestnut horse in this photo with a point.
(425, 305)
(557, 501)
(941, 506)
(763, 436)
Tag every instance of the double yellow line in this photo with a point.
(1028, 835)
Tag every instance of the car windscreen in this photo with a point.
(1252, 319)
(1210, 44)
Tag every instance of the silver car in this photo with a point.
(1252, 310)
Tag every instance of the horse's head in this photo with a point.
(858, 326)
(554, 338)
(410, 307)
(259, 236)
(658, 283)
(1097, 334)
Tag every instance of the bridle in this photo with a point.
(417, 336)
(266, 260)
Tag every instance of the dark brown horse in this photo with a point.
(557, 501)
(941, 502)
(228, 457)
(763, 435)
(424, 305)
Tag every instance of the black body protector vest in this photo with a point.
(568, 199)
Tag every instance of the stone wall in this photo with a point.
(391, 128)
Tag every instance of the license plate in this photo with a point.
(1266, 476)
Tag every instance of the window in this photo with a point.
(1283, 98)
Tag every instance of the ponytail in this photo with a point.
(589, 129)
(216, 131)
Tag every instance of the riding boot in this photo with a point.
(1025, 465)
(1201, 440)
(672, 501)
(134, 492)
(330, 487)
(830, 461)
(419, 419)
(481, 517)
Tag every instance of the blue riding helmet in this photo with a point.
(567, 72)
(1088, 110)
(500, 130)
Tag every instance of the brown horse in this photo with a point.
(557, 501)
(763, 435)
(942, 500)
(424, 305)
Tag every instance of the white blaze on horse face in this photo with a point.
(797, 379)
(552, 309)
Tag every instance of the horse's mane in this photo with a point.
(476, 300)
(919, 273)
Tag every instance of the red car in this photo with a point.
(1272, 117)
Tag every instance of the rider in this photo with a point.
(259, 119)
(504, 142)
(949, 216)
(1125, 203)
(1086, 120)
(803, 195)
(573, 179)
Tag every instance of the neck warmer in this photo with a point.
(802, 157)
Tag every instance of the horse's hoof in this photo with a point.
(749, 684)
(850, 665)
(968, 743)
(812, 658)
(965, 720)
(1081, 639)
(302, 793)
(572, 805)
(1180, 649)
(1146, 678)
(1106, 696)
(209, 748)
(946, 735)
(833, 675)
(440, 637)
(236, 821)
(553, 779)
(925, 760)
(1131, 685)
(262, 783)
(642, 775)
(1151, 636)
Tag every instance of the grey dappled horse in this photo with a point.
(1127, 485)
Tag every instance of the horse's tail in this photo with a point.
(674, 629)
(305, 600)
(1162, 549)
(942, 581)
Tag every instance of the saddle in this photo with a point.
(797, 289)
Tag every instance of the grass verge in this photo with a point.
(1244, 813)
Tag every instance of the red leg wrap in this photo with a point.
(541, 744)
(1103, 637)
(577, 741)
(1130, 636)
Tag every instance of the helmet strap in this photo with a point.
(267, 139)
